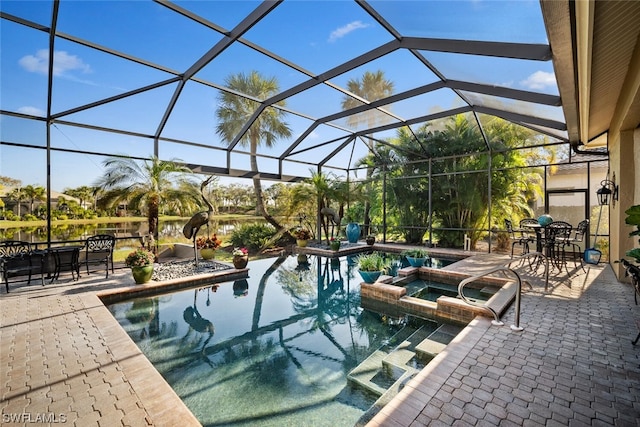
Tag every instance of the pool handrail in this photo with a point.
(505, 268)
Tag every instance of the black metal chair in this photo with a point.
(576, 240)
(18, 260)
(99, 251)
(556, 237)
(518, 237)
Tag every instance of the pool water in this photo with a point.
(432, 290)
(271, 350)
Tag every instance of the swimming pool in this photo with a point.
(275, 349)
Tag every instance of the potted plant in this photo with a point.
(334, 244)
(208, 246)
(633, 218)
(141, 263)
(240, 257)
(371, 266)
(416, 257)
(302, 236)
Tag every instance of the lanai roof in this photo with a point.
(143, 77)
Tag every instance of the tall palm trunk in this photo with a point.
(257, 188)
(154, 203)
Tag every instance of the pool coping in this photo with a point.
(163, 402)
(145, 398)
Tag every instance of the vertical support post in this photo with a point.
(430, 207)
(516, 326)
(384, 203)
(489, 198)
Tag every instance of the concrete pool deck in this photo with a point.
(64, 358)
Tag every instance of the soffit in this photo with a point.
(608, 34)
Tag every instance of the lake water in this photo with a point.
(71, 232)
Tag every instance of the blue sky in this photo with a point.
(315, 35)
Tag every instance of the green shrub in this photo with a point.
(416, 253)
(252, 236)
(372, 262)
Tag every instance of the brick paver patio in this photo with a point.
(64, 359)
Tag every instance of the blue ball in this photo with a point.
(545, 220)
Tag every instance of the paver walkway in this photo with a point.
(64, 359)
(572, 365)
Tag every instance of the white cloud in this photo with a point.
(539, 80)
(343, 31)
(33, 111)
(63, 62)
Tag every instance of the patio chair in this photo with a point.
(18, 260)
(517, 237)
(556, 237)
(99, 251)
(576, 240)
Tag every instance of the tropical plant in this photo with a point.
(373, 86)
(302, 233)
(139, 258)
(459, 183)
(34, 193)
(208, 242)
(145, 185)
(415, 253)
(18, 195)
(235, 111)
(372, 262)
(83, 193)
(633, 218)
(253, 236)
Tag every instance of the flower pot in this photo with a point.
(369, 276)
(301, 243)
(353, 232)
(207, 253)
(142, 274)
(416, 262)
(370, 240)
(240, 261)
(335, 246)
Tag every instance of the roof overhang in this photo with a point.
(596, 54)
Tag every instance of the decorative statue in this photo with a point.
(331, 217)
(191, 228)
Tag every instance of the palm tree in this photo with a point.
(83, 193)
(234, 112)
(18, 195)
(371, 87)
(34, 194)
(144, 185)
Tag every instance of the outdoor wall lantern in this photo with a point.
(609, 190)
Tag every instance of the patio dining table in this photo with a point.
(539, 230)
(65, 258)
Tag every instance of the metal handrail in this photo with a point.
(505, 268)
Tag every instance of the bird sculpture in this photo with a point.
(191, 228)
(332, 218)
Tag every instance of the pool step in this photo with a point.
(424, 344)
(437, 341)
(363, 374)
(393, 365)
